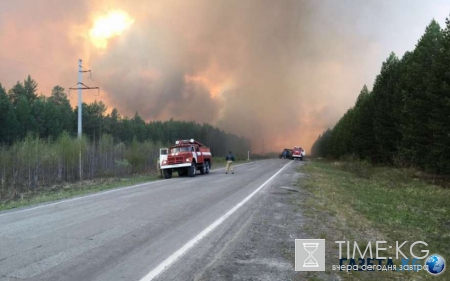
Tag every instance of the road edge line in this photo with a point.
(186, 247)
(42, 205)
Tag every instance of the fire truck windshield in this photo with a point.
(179, 149)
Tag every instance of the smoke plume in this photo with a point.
(277, 72)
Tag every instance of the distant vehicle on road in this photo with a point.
(186, 157)
(298, 153)
(286, 154)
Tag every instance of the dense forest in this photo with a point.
(405, 119)
(38, 143)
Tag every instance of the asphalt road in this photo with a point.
(167, 230)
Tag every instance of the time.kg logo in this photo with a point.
(309, 254)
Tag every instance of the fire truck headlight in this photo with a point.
(188, 160)
(164, 162)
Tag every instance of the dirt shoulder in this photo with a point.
(335, 202)
(260, 245)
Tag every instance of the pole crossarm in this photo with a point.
(84, 87)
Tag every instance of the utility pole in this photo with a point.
(80, 99)
(80, 87)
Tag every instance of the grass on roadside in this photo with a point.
(359, 202)
(69, 190)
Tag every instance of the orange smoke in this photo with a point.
(266, 70)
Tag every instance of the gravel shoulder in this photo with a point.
(257, 243)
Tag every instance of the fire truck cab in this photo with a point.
(185, 158)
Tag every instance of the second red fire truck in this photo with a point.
(298, 153)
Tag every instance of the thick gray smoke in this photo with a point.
(278, 72)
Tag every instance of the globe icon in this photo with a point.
(435, 264)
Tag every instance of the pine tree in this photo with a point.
(30, 89)
(114, 123)
(387, 110)
(365, 146)
(53, 120)
(59, 106)
(39, 117)
(416, 79)
(8, 120)
(138, 127)
(439, 95)
(15, 92)
(24, 117)
(93, 117)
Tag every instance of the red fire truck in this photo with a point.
(185, 158)
(298, 153)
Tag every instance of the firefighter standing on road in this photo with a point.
(230, 160)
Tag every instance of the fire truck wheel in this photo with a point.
(203, 169)
(207, 167)
(167, 173)
(192, 170)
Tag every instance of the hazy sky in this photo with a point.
(282, 71)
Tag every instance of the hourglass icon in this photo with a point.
(310, 260)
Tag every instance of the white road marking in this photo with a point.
(78, 198)
(90, 195)
(175, 256)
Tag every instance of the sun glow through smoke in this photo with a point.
(114, 23)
